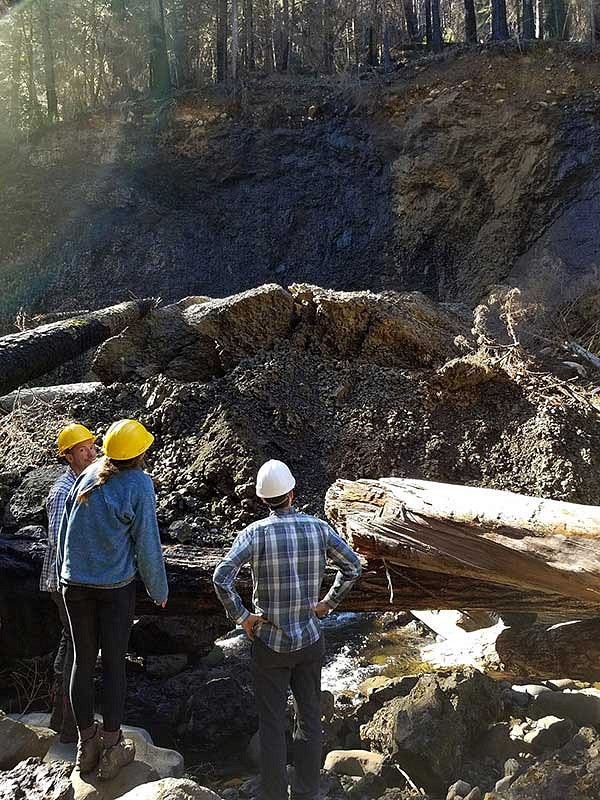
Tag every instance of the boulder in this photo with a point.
(245, 323)
(171, 789)
(88, 787)
(369, 685)
(19, 741)
(390, 329)
(549, 733)
(34, 779)
(32, 532)
(166, 666)
(459, 789)
(27, 504)
(161, 343)
(164, 762)
(573, 773)
(584, 709)
(430, 731)
(161, 635)
(353, 762)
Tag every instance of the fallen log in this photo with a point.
(566, 650)
(531, 544)
(32, 353)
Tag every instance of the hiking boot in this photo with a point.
(88, 752)
(116, 757)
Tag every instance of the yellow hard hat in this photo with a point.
(71, 435)
(125, 439)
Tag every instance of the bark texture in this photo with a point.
(29, 354)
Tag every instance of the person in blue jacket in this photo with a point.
(108, 535)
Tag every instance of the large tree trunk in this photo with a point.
(499, 23)
(499, 537)
(160, 75)
(412, 24)
(569, 650)
(471, 21)
(436, 28)
(32, 353)
(48, 50)
(528, 20)
(234, 39)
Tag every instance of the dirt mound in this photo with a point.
(333, 405)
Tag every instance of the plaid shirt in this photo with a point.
(287, 553)
(55, 505)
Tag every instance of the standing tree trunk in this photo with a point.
(412, 25)
(499, 23)
(160, 77)
(436, 28)
(221, 40)
(471, 22)
(48, 50)
(117, 50)
(387, 61)
(15, 73)
(249, 24)
(269, 52)
(428, 33)
(328, 37)
(528, 20)
(234, 38)
(557, 19)
(285, 37)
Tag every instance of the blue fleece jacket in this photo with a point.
(114, 535)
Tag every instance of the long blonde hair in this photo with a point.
(108, 468)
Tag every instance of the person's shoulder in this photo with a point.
(137, 478)
(63, 484)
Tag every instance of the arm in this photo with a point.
(227, 571)
(58, 506)
(148, 551)
(349, 568)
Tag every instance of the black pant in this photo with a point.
(274, 674)
(63, 661)
(99, 618)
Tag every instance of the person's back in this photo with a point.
(287, 553)
(105, 540)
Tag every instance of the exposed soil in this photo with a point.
(451, 176)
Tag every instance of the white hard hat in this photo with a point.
(274, 479)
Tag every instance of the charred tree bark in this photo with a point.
(221, 40)
(500, 537)
(27, 355)
(528, 20)
(48, 50)
(471, 21)
(571, 650)
(436, 28)
(499, 23)
(412, 25)
(160, 75)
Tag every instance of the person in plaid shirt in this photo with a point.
(287, 553)
(76, 446)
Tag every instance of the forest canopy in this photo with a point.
(62, 58)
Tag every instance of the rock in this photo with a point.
(218, 713)
(88, 787)
(458, 790)
(430, 731)
(32, 532)
(166, 666)
(33, 779)
(19, 741)
(497, 743)
(531, 689)
(253, 750)
(549, 733)
(581, 708)
(245, 323)
(353, 762)
(369, 685)
(215, 657)
(27, 504)
(503, 783)
(565, 683)
(327, 705)
(161, 635)
(474, 794)
(171, 789)
(573, 773)
(396, 687)
(370, 786)
(181, 531)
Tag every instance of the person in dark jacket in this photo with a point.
(108, 535)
